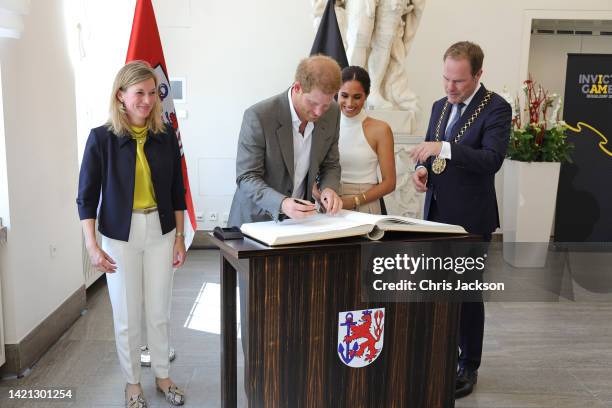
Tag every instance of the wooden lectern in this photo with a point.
(292, 297)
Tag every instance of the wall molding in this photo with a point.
(21, 356)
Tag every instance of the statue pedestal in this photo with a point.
(401, 122)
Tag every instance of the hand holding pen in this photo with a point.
(296, 208)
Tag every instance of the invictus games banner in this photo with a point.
(584, 200)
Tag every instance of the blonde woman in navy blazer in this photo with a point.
(131, 182)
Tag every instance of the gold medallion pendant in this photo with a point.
(438, 165)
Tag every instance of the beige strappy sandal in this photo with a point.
(135, 401)
(174, 395)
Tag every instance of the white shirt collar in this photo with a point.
(295, 119)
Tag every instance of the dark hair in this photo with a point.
(356, 73)
(466, 50)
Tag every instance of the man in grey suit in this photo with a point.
(285, 143)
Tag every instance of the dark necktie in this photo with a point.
(449, 129)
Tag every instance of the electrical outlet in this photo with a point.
(52, 251)
(212, 217)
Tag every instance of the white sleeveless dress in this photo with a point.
(358, 161)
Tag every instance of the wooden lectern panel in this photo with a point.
(294, 297)
(293, 358)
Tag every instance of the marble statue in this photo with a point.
(378, 35)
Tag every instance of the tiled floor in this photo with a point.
(85, 357)
(552, 355)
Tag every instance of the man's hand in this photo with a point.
(419, 178)
(331, 201)
(425, 150)
(294, 208)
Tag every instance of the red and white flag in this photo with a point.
(145, 45)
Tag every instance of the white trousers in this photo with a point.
(143, 276)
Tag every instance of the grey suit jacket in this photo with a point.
(264, 162)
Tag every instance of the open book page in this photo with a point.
(344, 224)
(314, 228)
(399, 223)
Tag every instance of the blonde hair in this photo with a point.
(320, 72)
(132, 73)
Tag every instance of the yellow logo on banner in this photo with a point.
(602, 144)
(596, 85)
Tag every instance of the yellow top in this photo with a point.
(144, 194)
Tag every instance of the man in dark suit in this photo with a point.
(464, 147)
(285, 142)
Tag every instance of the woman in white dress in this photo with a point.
(365, 145)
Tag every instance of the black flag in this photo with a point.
(329, 40)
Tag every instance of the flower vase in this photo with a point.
(530, 193)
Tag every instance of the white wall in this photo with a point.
(40, 137)
(4, 199)
(97, 50)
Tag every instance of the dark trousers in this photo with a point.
(471, 334)
(472, 318)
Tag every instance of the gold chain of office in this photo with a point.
(439, 164)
